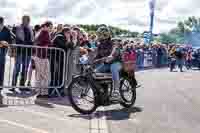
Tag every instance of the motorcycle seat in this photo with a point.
(103, 76)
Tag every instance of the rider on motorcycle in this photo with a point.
(107, 49)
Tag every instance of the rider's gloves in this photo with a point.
(109, 59)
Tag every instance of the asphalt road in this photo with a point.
(166, 103)
(43, 118)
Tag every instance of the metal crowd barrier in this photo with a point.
(72, 67)
(151, 60)
(45, 67)
(48, 68)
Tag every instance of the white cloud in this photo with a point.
(130, 14)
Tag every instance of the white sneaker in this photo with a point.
(17, 90)
(116, 95)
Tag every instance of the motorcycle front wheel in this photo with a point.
(82, 96)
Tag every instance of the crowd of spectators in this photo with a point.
(45, 62)
(70, 38)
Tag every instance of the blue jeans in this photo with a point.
(2, 64)
(24, 61)
(154, 60)
(140, 61)
(180, 63)
(114, 68)
(159, 60)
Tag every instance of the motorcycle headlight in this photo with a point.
(84, 60)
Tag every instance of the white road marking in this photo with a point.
(99, 125)
(94, 122)
(134, 120)
(35, 130)
(103, 122)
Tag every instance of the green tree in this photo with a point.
(183, 29)
(167, 38)
(116, 31)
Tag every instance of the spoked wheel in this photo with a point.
(82, 96)
(128, 93)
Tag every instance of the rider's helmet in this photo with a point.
(103, 33)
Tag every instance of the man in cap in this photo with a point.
(24, 36)
(106, 49)
(5, 39)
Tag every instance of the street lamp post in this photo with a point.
(152, 13)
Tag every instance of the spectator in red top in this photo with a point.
(44, 40)
(40, 62)
(44, 37)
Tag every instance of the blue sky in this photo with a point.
(129, 14)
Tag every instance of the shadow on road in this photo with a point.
(195, 69)
(43, 104)
(122, 114)
(3, 106)
(87, 117)
(174, 71)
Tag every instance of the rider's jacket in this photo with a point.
(104, 49)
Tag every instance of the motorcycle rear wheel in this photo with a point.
(127, 86)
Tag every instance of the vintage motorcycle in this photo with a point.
(90, 89)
